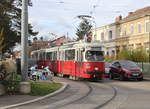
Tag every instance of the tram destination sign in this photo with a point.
(96, 48)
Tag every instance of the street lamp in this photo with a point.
(149, 37)
(24, 40)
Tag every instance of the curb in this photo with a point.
(37, 99)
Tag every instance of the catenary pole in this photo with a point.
(24, 40)
(149, 37)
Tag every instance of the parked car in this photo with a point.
(107, 68)
(125, 70)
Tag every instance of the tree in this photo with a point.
(10, 18)
(84, 29)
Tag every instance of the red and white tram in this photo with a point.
(75, 60)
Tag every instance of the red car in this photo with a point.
(125, 70)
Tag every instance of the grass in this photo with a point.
(43, 88)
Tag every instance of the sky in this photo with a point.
(60, 16)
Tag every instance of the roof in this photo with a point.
(136, 14)
(140, 11)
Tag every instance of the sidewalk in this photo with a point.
(11, 100)
(147, 77)
(14, 99)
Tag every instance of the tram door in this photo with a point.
(79, 63)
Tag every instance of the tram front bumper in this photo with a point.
(94, 74)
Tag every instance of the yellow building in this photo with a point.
(106, 35)
(133, 30)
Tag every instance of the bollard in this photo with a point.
(2, 89)
(25, 87)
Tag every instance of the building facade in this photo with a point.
(107, 36)
(131, 32)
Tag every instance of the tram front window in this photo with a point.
(94, 56)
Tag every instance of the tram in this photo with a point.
(77, 60)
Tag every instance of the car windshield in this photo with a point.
(107, 65)
(128, 64)
(94, 56)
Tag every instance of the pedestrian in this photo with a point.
(43, 77)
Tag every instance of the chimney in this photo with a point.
(118, 18)
(130, 13)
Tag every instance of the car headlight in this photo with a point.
(141, 70)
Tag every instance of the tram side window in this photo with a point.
(42, 56)
(70, 55)
(54, 55)
(49, 56)
(33, 56)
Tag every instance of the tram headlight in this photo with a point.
(96, 68)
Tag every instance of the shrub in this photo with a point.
(8, 76)
(109, 59)
(136, 55)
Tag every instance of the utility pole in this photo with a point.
(149, 36)
(24, 40)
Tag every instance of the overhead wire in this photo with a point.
(94, 7)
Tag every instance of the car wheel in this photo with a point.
(110, 76)
(140, 79)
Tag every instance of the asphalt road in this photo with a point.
(107, 94)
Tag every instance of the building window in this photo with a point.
(131, 46)
(113, 53)
(132, 28)
(102, 36)
(139, 27)
(147, 26)
(107, 53)
(124, 31)
(146, 44)
(110, 34)
(119, 31)
(138, 45)
(124, 46)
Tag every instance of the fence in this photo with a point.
(145, 67)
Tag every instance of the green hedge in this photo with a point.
(136, 55)
(145, 67)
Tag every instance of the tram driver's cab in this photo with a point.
(91, 55)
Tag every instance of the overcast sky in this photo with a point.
(60, 16)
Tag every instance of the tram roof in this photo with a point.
(72, 45)
(81, 44)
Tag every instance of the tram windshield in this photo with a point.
(94, 56)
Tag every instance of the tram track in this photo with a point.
(74, 98)
(108, 101)
(88, 84)
(71, 94)
(92, 88)
(77, 94)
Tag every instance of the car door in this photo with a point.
(115, 69)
